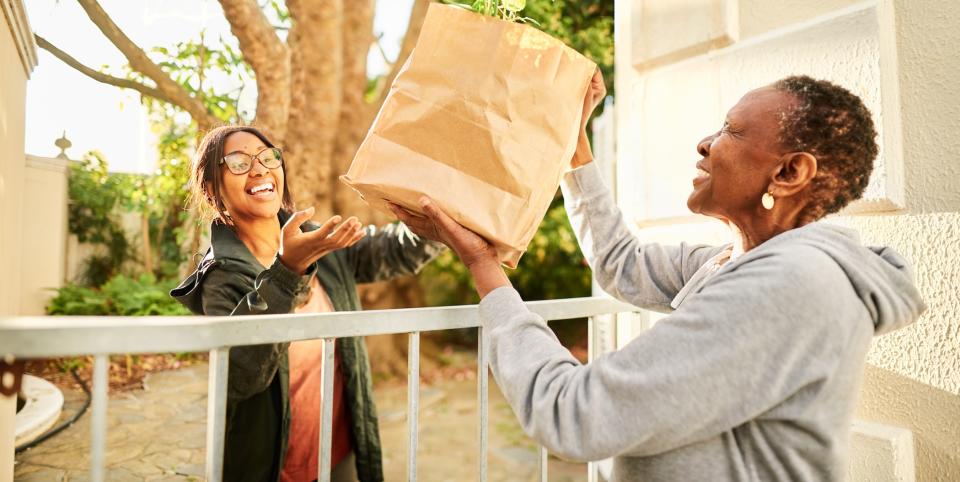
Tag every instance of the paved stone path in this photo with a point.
(155, 434)
(158, 434)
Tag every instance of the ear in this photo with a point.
(794, 174)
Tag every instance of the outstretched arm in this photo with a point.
(644, 274)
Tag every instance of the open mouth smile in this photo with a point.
(262, 190)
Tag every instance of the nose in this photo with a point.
(703, 147)
(258, 168)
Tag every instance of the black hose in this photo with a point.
(65, 424)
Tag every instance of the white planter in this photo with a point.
(44, 403)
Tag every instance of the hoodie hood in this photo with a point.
(882, 279)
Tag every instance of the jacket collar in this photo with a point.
(227, 248)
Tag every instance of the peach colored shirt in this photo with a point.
(306, 362)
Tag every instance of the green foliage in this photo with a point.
(198, 67)
(552, 268)
(94, 195)
(119, 296)
(584, 25)
(504, 9)
(97, 198)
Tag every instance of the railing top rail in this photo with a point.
(54, 336)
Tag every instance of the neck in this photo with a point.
(764, 225)
(260, 235)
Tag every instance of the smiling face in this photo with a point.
(740, 161)
(259, 192)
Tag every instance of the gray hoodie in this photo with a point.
(752, 376)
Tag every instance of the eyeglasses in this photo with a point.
(241, 162)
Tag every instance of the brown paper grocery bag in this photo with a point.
(483, 118)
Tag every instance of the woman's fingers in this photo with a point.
(345, 231)
(470, 246)
(292, 226)
(356, 239)
(598, 85)
(421, 226)
(327, 227)
(440, 219)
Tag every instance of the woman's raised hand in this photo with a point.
(595, 95)
(596, 92)
(299, 250)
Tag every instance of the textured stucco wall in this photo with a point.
(12, 103)
(914, 375)
(927, 37)
(761, 16)
(912, 379)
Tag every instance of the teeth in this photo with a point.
(703, 173)
(262, 187)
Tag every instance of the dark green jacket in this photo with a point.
(230, 281)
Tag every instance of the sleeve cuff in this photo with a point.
(500, 305)
(584, 182)
(287, 280)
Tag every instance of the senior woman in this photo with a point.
(754, 373)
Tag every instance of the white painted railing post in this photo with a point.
(98, 421)
(413, 404)
(482, 401)
(542, 459)
(326, 410)
(217, 412)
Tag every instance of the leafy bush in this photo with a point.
(119, 296)
(94, 194)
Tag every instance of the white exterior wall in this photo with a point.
(17, 58)
(43, 233)
(681, 64)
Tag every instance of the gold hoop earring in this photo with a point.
(767, 201)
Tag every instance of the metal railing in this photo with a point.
(44, 337)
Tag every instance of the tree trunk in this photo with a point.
(269, 58)
(316, 44)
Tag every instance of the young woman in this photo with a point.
(267, 258)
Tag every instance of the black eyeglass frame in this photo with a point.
(256, 157)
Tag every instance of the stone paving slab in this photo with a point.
(152, 434)
(158, 434)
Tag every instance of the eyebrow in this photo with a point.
(243, 152)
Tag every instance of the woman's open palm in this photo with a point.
(299, 249)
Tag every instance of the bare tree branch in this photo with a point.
(100, 76)
(417, 15)
(270, 60)
(140, 62)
